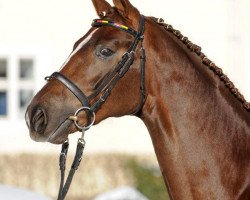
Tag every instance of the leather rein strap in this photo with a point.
(104, 90)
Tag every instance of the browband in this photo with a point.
(104, 22)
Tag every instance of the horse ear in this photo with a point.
(102, 7)
(126, 9)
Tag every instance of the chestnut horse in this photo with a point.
(198, 121)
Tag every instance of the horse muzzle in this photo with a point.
(37, 121)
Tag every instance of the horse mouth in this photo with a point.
(61, 133)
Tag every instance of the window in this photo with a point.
(18, 68)
(3, 68)
(3, 87)
(26, 68)
(26, 83)
(3, 103)
(24, 98)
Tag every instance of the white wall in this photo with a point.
(50, 28)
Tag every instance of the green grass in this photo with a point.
(148, 181)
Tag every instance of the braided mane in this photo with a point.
(211, 65)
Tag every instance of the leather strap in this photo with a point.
(64, 186)
(71, 86)
(75, 90)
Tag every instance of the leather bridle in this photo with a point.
(103, 90)
(107, 85)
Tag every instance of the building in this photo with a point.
(37, 36)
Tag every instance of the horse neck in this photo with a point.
(199, 131)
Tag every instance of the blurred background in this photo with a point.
(36, 36)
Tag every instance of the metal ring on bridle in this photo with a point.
(84, 127)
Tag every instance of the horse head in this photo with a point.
(197, 119)
(96, 61)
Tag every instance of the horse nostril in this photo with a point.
(39, 120)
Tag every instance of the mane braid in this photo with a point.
(211, 65)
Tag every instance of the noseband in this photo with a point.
(103, 90)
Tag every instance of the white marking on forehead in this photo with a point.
(79, 47)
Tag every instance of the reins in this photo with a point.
(104, 91)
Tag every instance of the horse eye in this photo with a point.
(106, 52)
